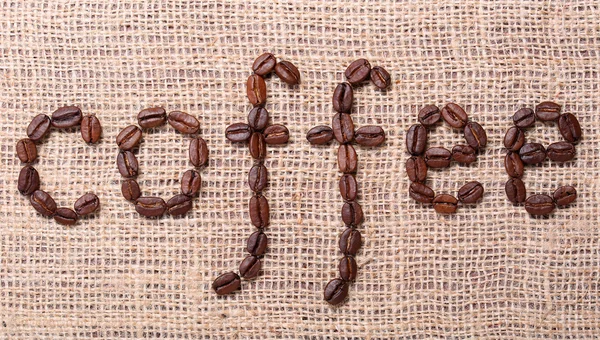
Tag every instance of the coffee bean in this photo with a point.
(565, 195)
(532, 153)
(350, 241)
(348, 268)
(287, 72)
(348, 187)
(183, 122)
(445, 204)
(455, 115)
(250, 267)
(416, 140)
(319, 135)
(130, 189)
(336, 291)
(87, 204)
(569, 128)
(91, 130)
(258, 146)
(259, 211)
(514, 139)
(258, 118)
(416, 168)
(475, 135)
(358, 71)
(264, 64)
(226, 283)
(370, 135)
(257, 243)
(464, 154)
(539, 205)
(127, 164)
(347, 159)
(547, 111)
(179, 205)
(276, 134)
(342, 98)
(238, 132)
(129, 137)
(513, 165)
(26, 150)
(150, 206)
(421, 193)
(29, 180)
(515, 190)
(524, 118)
(152, 117)
(256, 90)
(198, 152)
(66, 117)
(380, 77)
(65, 216)
(191, 183)
(429, 115)
(38, 127)
(470, 192)
(352, 213)
(43, 203)
(258, 177)
(561, 151)
(438, 157)
(343, 128)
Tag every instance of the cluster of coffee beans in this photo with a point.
(131, 136)
(343, 131)
(440, 157)
(258, 133)
(29, 179)
(520, 153)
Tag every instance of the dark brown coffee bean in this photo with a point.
(258, 178)
(191, 183)
(91, 130)
(319, 135)
(455, 115)
(226, 283)
(347, 159)
(287, 72)
(565, 195)
(348, 268)
(445, 204)
(183, 122)
(258, 118)
(421, 193)
(256, 90)
(532, 153)
(438, 157)
(179, 205)
(127, 164)
(343, 128)
(66, 117)
(264, 64)
(38, 127)
(238, 132)
(276, 134)
(348, 187)
(336, 291)
(87, 204)
(258, 146)
(514, 139)
(129, 137)
(358, 71)
(250, 267)
(416, 140)
(257, 243)
(350, 241)
(515, 190)
(152, 117)
(475, 135)
(259, 211)
(130, 189)
(470, 192)
(561, 151)
(198, 152)
(429, 115)
(43, 203)
(342, 98)
(464, 154)
(524, 118)
(539, 205)
(26, 150)
(569, 128)
(29, 180)
(547, 111)
(352, 213)
(150, 206)
(65, 216)
(370, 135)
(380, 77)
(513, 165)
(416, 168)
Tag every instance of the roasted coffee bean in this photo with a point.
(347, 159)
(421, 193)
(87, 204)
(258, 118)
(464, 154)
(370, 135)
(127, 164)
(65, 216)
(179, 205)
(226, 283)
(438, 157)
(256, 90)
(150, 206)
(38, 127)
(29, 180)
(191, 183)
(524, 118)
(352, 213)
(287, 72)
(336, 291)
(569, 128)
(445, 204)
(358, 71)
(91, 130)
(238, 132)
(514, 139)
(547, 111)
(565, 195)
(343, 128)
(258, 176)
(129, 137)
(264, 64)
(198, 152)
(348, 268)
(455, 115)
(416, 140)
(250, 267)
(429, 115)
(276, 134)
(152, 117)
(257, 243)
(350, 241)
(26, 150)
(416, 168)
(515, 190)
(539, 205)
(513, 165)
(561, 151)
(470, 192)
(319, 135)
(66, 117)
(380, 77)
(259, 211)
(43, 203)
(532, 153)
(183, 122)
(130, 189)
(258, 146)
(475, 135)
(348, 187)
(342, 98)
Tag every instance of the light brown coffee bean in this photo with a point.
(470, 192)
(513, 165)
(87, 204)
(514, 138)
(438, 157)
(350, 241)
(335, 291)
(258, 146)
(152, 117)
(416, 168)
(259, 211)
(429, 115)
(26, 150)
(475, 135)
(569, 128)
(347, 159)
(250, 267)
(416, 140)
(66, 117)
(191, 182)
(524, 118)
(150, 206)
(256, 90)
(238, 132)
(129, 137)
(352, 213)
(515, 190)
(287, 72)
(43, 203)
(276, 134)
(464, 154)
(380, 77)
(226, 283)
(130, 189)
(445, 204)
(91, 129)
(342, 98)
(547, 111)
(28, 181)
(258, 118)
(198, 152)
(539, 205)
(183, 122)
(127, 164)
(348, 268)
(370, 135)
(264, 64)
(348, 187)
(421, 193)
(565, 195)
(358, 71)
(65, 216)
(319, 135)
(179, 205)
(561, 151)
(258, 177)
(38, 128)
(257, 243)
(455, 115)
(343, 128)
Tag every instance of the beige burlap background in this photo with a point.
(488, 271)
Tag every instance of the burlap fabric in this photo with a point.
(489, 271)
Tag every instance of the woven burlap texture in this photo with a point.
(489, 271)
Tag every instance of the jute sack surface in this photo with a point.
(489, 271)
